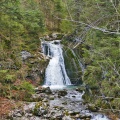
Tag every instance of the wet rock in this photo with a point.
(58, 116)
(56, 107)
(56, 42)
(28, 115)
(47, 90)
(47, 37)
(17, 115)
(92, 108)
(45, 100)
(54, 35)
(85, 116)
(80, 89)
(20, 118)
(47, 116)
(72, 113)
(40, 111)
(62, 93)
(87, 119)
(29, 108)
(77, 116)
(41, 89)
(73, 96)
(64, 103)
(51, 97)
(37, 98)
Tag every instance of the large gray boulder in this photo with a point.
(25, 55)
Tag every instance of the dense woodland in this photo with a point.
(91, 28)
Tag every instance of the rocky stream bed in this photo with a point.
(63, 104)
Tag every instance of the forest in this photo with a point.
(89, 28)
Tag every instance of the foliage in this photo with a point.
(66, 27)
(93, 27)
(98, 29)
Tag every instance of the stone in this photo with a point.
(56, 42)
(45, 100)
(73, 112)
(47, 90)
(64, 103)
(54, 35)
(77, 116)
(87, 119)
(17, 115)
(51, 97)
(41, 89)
(28, 115)
(85, 116)
(62, 93)
(73, 96)
(58, 116)
(25, 55)
(40, 109)
(92, 108)
(80, 89)
(46, 37)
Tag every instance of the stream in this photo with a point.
(57, 99)
(56, 78)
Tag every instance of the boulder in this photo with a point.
(62, 93)
(72, 113)
(54, 35)
(51, 97)
(25, 55)
(48, 90)
(58, 116)
(85, 117)
(40, 109)
(41, 89)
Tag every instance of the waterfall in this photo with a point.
(55, 74)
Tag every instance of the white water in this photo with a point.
(55, 74)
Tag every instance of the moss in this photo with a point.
(36, 109)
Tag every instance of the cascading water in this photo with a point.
(55, 74)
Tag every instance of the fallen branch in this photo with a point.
(107, 97)
(101, 110)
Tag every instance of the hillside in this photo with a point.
(90, 34)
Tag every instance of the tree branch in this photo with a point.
(91, 26)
